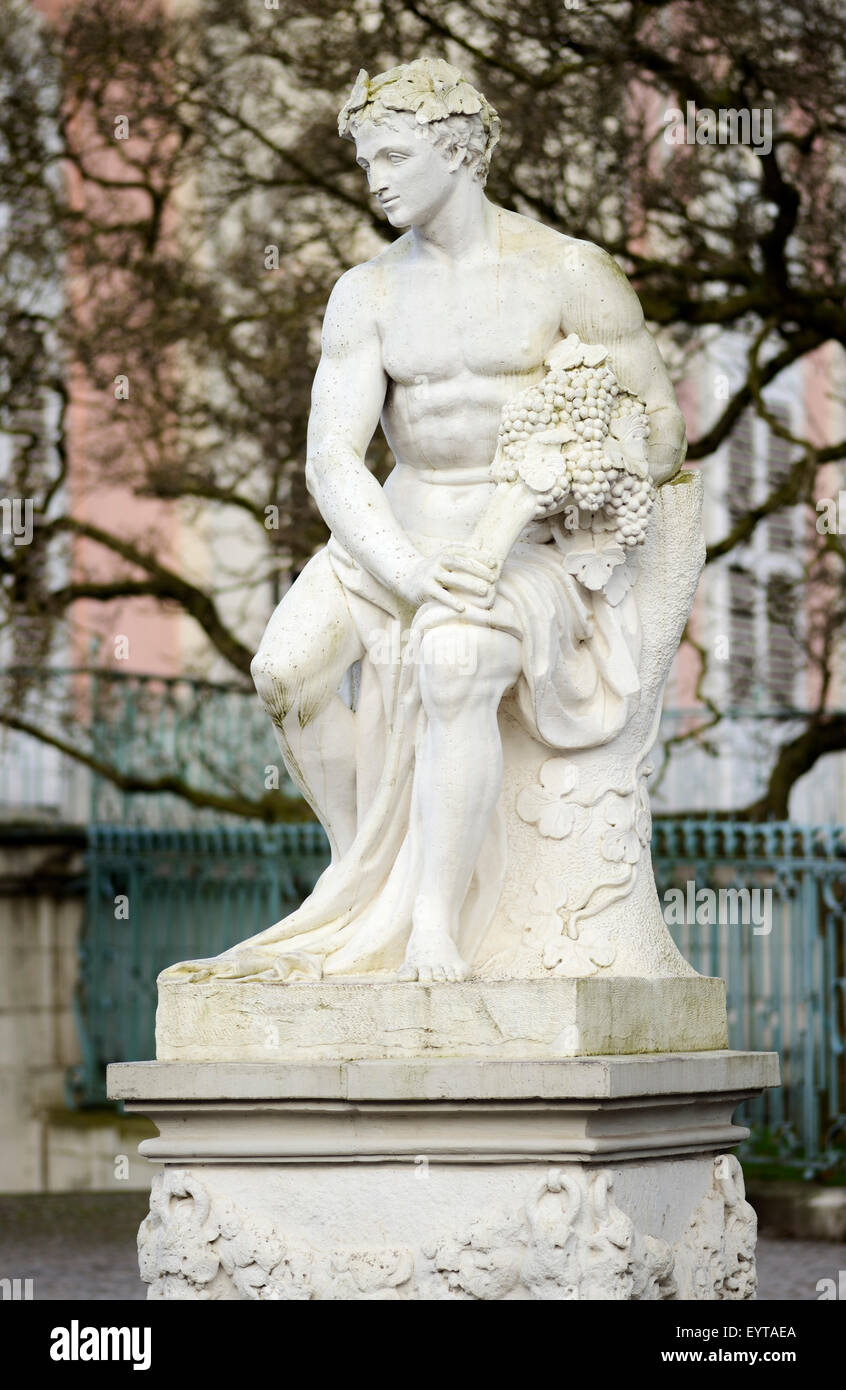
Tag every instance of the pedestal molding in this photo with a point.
(582, 1178)
(446, 1078)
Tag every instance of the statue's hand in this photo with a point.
(458, 575)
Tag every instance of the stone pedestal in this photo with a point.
(593, 1177)
(355, 1020)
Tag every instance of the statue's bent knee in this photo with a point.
(286, 688)
(275, 683)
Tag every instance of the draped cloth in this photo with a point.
(578, 686)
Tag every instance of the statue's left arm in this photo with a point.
(600, 307)
(599, 304)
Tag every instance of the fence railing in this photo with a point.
(155, 896)
(209, 739)
(194, 892)
(213, 737)
(764, 907)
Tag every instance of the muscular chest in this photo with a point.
(487, 321)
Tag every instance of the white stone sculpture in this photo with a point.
(465, 683)
(473, 1064)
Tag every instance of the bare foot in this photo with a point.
(432, 955)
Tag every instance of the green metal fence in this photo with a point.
(785, 970)
(214, 744)
(155, 896)
(193, 892)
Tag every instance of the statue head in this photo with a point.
(414, 127)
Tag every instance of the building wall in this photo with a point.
(44, 1146)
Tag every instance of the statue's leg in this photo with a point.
(308, 645)
(464, 672)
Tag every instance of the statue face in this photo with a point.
(409, 177)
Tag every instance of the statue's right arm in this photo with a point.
(346, 402)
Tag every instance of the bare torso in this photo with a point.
(458, 341)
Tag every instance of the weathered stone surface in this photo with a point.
(438, 1178)
(349, 1020)
(432, 1079)
(587, 1178)
(491, 1111)
(560, 1233)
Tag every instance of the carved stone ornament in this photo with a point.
(568, 1241)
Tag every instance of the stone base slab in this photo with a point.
(231, 1021)
(590, 1178)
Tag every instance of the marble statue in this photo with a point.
(465, 682)
(473, 1064)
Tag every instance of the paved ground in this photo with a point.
(791, 1269)
(82, 1246)
(73, 1245)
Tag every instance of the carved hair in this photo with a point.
(446, 109)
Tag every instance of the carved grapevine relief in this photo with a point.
(548, 805)
(570, 1240)
(620, 821)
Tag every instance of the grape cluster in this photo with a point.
(579, 407)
